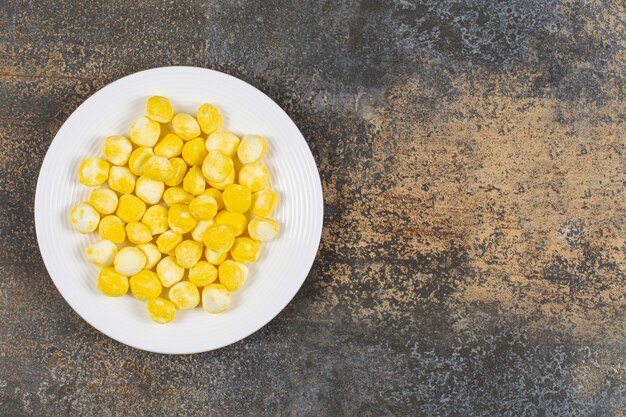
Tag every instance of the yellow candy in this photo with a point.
(112, 228)
(101, 253)
(153, 256)
(262, 229)
(194, 181)
(217, 167)
(138, 232)
(129, 261)
(245, 250)
(251, 149)
(145, 132)
(159, 109)
(203, 207)
(219, 238)
(145, 285)
(93, 172)
(130, 208)
(176, 195)
(138, 159)
(180, 219)
(213, 257)
(103, 200)
(111, 283)
(209, 118)
(236, 221)
(161, 310)
(237, 198)
(254, 176)
(180, 169)
(122, 180)
(223, 184)
(194, 152)
(202, 274)
(185, 126)
(168, 241)
(197, 233)
(84, 218)
(169, 272)
(149, 190)
(188, 253)
(217, 195)
(264, 202)
(215, 298)
(117, 149)
(232, 275)
(185, 295)
(223, 141)
(155, 218)
(159, 168)
(169, 147)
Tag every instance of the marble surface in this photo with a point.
(472, 155)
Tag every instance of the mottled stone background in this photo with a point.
(473, 161)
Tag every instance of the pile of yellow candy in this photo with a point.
(178, 189)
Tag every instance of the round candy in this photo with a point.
(168, 241)
(129, 261)
(159, 109)
(202, 274)
(159, 168)
(122, 180)
(262, 229)
(149, 190)
(130, 208)
(145, 285)
(245, 250)
(213, 257)
(232, 274)
(145, 132)
(209, 118)
(217, 166)
(237, 198)
(203, 207)
(222, 141)
(197, 233)
(185, 126)
(138, 159)
(169, 272)
(169, 147)
(219, 238)
(161, 310)
(251, 149)
(254, 176)
(153, 256)
(194, 181)
(188, 253)
(155, 218)
(93, 172)
(223, 184)
(112, 283)
(138, 233)
(194, 152)
(264, 202)
(112, 228)
(236, 221)
(180, 219)
(176, 195)
(180, 169)
(101, 253)
(84, 218)
(117, 149)
(215, 298)
(185, 295)
(103, 200)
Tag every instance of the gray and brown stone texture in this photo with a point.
(472, 155)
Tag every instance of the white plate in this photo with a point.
(273, 280)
